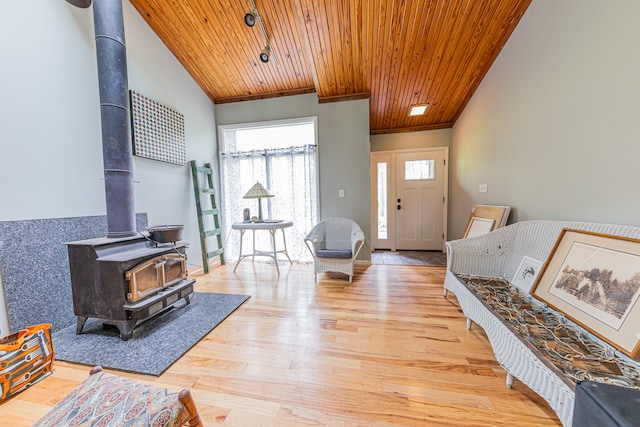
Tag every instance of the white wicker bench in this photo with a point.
(498, 255)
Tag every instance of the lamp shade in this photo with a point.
(257, 191)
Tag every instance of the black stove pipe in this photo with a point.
(115, 117)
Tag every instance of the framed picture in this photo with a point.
(499, 215)
(479, 226)
(526, 273)
(594, 279)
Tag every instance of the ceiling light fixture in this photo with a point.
(251, 18)
(418, 110)
(265, 54)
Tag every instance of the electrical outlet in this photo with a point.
(483, 188)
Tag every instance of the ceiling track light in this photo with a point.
(251, 18)
(265, 54)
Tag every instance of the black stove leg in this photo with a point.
(126, 329)
(81, 321)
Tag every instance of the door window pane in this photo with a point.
(415, 170)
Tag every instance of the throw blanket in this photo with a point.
(576, 354)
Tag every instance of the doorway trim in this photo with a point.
(389, 157)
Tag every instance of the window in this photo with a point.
(282, 156)
(382, 201)
(416, 170)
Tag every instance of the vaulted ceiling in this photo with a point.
(397, 53)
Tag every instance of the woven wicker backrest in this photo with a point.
(503, 249)
(339, 233)
(536, 239)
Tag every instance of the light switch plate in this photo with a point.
(341, 193)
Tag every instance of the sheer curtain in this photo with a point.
(289, 172)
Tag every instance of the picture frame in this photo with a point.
(594, 279)
(479, 226)
(499, 214)
(527, 272)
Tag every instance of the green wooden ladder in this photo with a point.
(201, 193)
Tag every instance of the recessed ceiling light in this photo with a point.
(417, 110)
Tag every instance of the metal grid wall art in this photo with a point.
(158, 131)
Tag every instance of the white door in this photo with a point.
(419, 200)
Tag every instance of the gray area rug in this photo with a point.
(156, 343)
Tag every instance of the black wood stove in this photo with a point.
(127, 280)
(123, 278)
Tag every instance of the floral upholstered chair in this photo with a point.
(106, 400)
(334, 244)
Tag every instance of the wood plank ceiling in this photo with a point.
(396, 52)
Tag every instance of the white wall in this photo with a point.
(51, 148)
(554, 128)
(411, 140)
(343, 148)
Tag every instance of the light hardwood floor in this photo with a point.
(387, 350)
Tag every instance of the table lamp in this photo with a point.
(258, 192)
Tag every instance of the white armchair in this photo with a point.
(334, 244)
